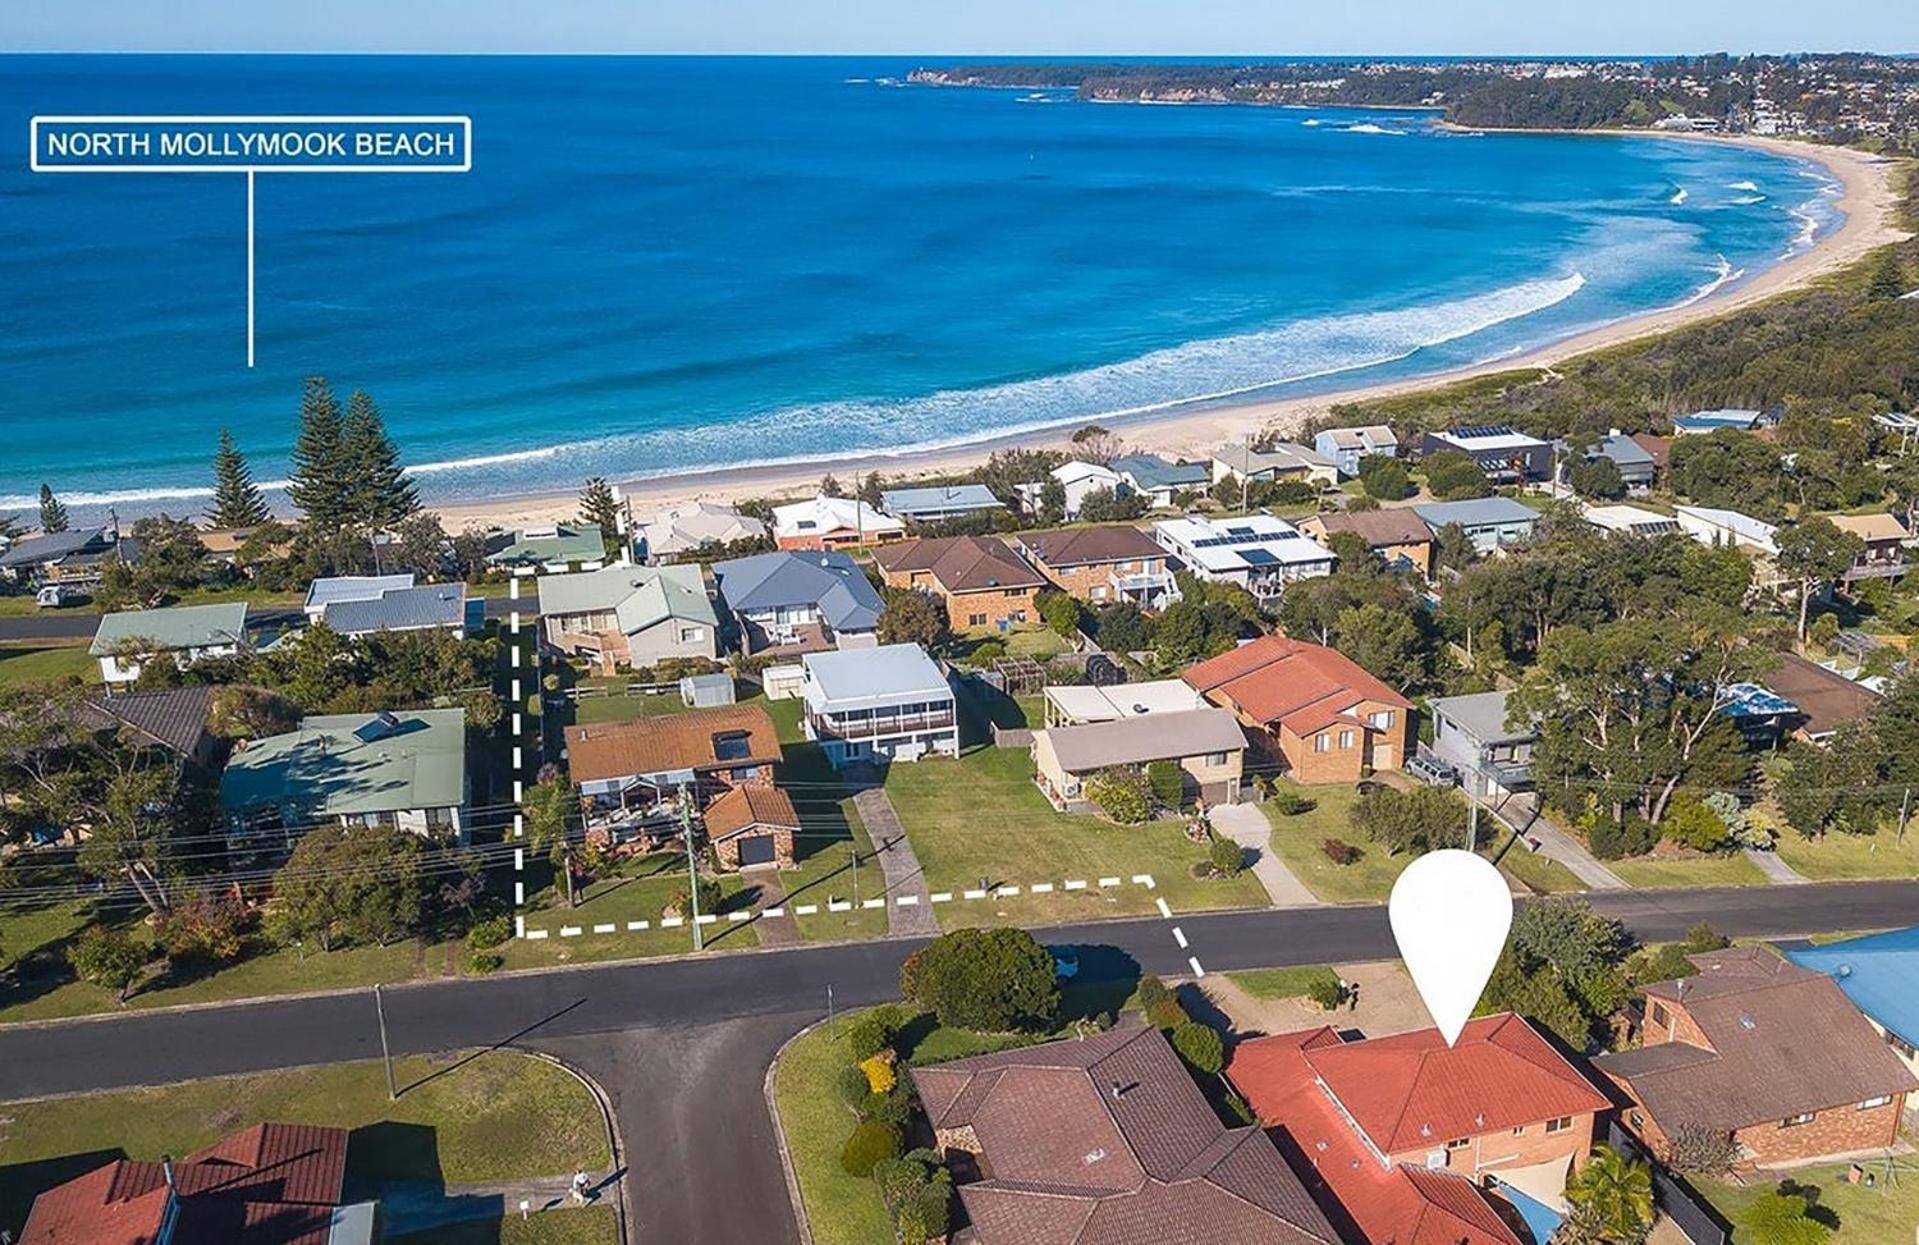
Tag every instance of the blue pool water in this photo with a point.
(662, 264)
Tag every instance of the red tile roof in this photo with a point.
(1303, 687)
(600, 751)
(747, 805)
(960, 564)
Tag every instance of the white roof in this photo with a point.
(1504, 440)
(1125, 700)
(1075, 471)
(1747, 530)
(884, 675)
(1238, 544)
(1364, 437)
(687, 527)
(1630, 519)
(831, 514)
(324, 592)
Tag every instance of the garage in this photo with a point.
(756, 849)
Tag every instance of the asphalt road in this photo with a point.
(67, 625)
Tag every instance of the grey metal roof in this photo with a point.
(1136, 740)
(1150, 471)
(638, 596)
(943, 499)
(324, 592)
(324, 769)
(170, 630)
(1476, 512)
(401, 609)
(1482, 715)
(34, 550)
(847, 600)
(884, 675)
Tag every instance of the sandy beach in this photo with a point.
(1868, 200)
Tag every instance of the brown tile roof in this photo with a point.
(1082, 546)
(175, 717)
(1658, 448)
(1826, 700)
(1378, 528)
(960, 564)
(1303, 687)
(747, 805)
(1784, 1040)
(1105, 1140)
(677, 741)
(273, 1184)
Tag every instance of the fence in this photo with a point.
(1689, 1212)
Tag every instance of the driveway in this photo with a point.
(905, 880)
(1247, 826)
(1521, 813)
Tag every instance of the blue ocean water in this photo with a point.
(663, 264)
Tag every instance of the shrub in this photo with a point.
(878, 1071)
(1411, 821)
(1690, 823)
(874, 1032)
(1227, 858)
(1454, 476)
(1061, 614)
(1121, 628)
(852, 1087)
(1149, 991)
(1326, 991)
(871, 1143)
(1612, 840)
(895, 1106)
(1168, 782)
(1167, 1014)
(489, 933)
(1199, 1046)
(1339, 851)
(207, 929)
(1385, 478)
(985, 979)
(1123, 796)
(677, 904)
(108, 957)
(1289, 803)
(480, 963)
(1695, 1150)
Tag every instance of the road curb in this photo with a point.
(779, 1135)
(613, 1146)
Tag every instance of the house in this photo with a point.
(554, 547)
(185, 634)
(1328, 719)
(1346, 446)
(1491, 523)
(1078, 480)
(272, 1184)
(631, 773)
(1766, 1051)
(799, 602)
(1205, 743)
(1799, 699)
(1657, 448)
(1158, 481)
(1470, 733)
(980, 582)
(1416, 1141)
(1075, 704)
(174, 719)
(420, 607)
(1884, 556)
(1398, 536)
(1629, 520)
(833, 523)
(1105, 1138)
(1506, 455)
(332, 589)
(405, 768)
(70, 558)
(1702, 422)
(889, 703)
(1281, 462)
(1712, 526)
(1636, 466)
(1259, 552)
(752, 826)
(937, 502)
(1103, 565)
(223, 544)
(675, 532)
(630, 615)
(1879, 973)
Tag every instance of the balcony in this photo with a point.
(1140, 583)
(880, 725)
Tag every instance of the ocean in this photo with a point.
(662, 264)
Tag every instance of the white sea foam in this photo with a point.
(1748, 200)
(1679, 196)
(1723, 275)
(1749, 186)
(1367, 127)
(1312, 121)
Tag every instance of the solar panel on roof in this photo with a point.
(378, 727)
(1485, 430)
(1257, 557)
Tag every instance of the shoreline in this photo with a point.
(1868, 202)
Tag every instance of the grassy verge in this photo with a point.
(1297, 838)
(637, 890)
(1284, 983)
(1885, 1212)
(980, 816)
(1537, 872)
(1653, 872)
(491, 1115)
(44, 662)
(1842, 856)
(592, 1225)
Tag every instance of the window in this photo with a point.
(1638, 1121)
(1880, 1101)
(1559, 1125)
(1216, 758)
(732, 745)
(1322, 743)
(1016, 592)
(1794, 1121)
(692, 635)
(1657, 1013)
(1900, 1044)
(1459, 1143)
(976, 620)
(1382, 721)
(1345, 739)
(1519, 1130)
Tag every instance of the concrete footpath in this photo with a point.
(901, 868)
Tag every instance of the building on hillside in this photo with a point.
(879, 705)
(1879, 973)
(405, 768)
(272, 1184)
(630, 615)
(1506, 455)
(1416, 1141)
(1347, 446)
(1076, 704)
(1702, 422)
(791, 603)
(419, 607)
(1400, 537)
(70, 559)
(833, 523)
(630, 774)
(1205, 743)
(1657, 448)
(1161, 483)
(1884, 556)
(1276, 464)
(1103, 565)
(1105, 1138)
(553, 547)
(674, 533)
(1491, 523)
(1766, 1051)
(752, 826)
(1636, 467)
(1327, 719)
(1629, 520)
(1078, 480)
(332, 589)
(1257, 552)
(978, 581)
(938, 502)
(1471, 734)
(1798, 699)
(126, 641)
(173, 719)
(1716, 527)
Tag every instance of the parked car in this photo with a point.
(1432, 773)
(54, 596)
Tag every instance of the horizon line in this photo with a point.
(1010, 56)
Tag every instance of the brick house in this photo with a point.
(979, 580)
(630, 773)
(752, 826)
(1103, 565)
(1106, 1139)
(1328, 719)
(1395, 535)
(1413, 1140)
(1764, 1050)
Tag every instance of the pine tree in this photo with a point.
(381, 495)
(236, 499)
(599, 508)
(53, 513)
(320, 481)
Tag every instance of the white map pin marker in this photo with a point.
(1451, 912)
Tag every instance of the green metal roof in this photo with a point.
(326, 769)
(563, 545)
(182, 627)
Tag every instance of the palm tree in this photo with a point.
(545, 807)
(1615, 1193)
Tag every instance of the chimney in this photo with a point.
(166, 1169)
(1119, 1091)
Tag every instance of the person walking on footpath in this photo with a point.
(581, 1181)
(1352, 996)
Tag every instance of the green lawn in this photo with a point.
(831, 834)
(1297, 840)
(28, 663)
(980, 816)
(1283, 983)
(1653, 872)
(1039, 644)
(1887, 1212)
(637, 890)
(1839, 856)
(491, 1115)
(593, 1225)
(1538, 873)
(841, 1209)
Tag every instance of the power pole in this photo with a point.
(1905, 803)
(692, 868)
(386, 1053)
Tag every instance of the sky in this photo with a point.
(964, 27)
